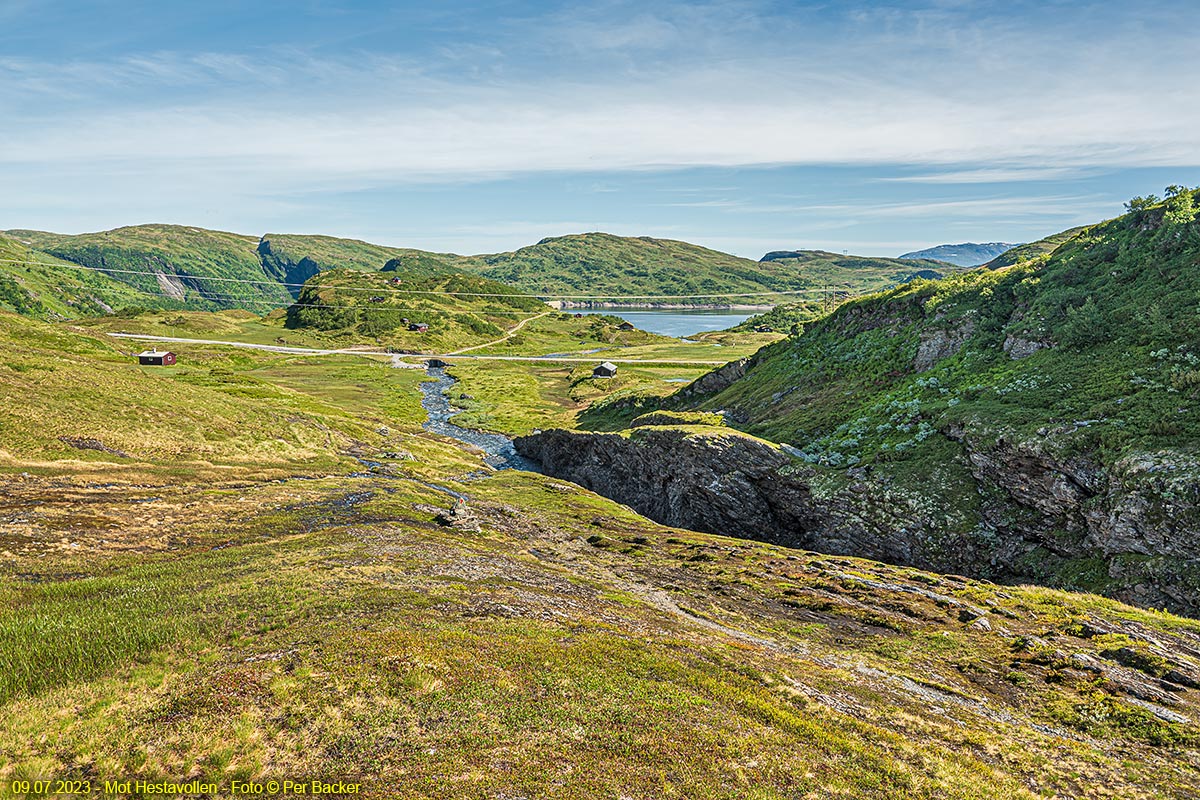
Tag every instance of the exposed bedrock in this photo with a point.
(1131, 531)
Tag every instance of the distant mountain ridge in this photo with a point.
(184, 267)
(968, 254)
(594, 264)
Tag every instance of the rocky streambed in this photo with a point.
(435, 399)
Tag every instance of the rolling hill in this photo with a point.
(180, 267)
(382, 306)
(968, 254)
(1036, 422)
(606, 266)
(854, 275)
(39, 285)
(459, 310)
(245, 567)
(293, 259)
(192, 267)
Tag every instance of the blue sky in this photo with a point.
(482, 126)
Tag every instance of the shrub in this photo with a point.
(678, 418)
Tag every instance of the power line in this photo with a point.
(114, 270)
(272, 304)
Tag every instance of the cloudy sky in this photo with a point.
(482, 126)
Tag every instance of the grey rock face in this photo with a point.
(1017, 347)
(1141, 519)
(718, 380)
(938, 343)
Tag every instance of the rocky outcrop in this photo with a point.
(1136, 525)
(729, 483)
(1018, 347)
(937, 344)
(718, 380)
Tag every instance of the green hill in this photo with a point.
(1037, 422)
(39, 285)
(1026, 252)
(600, 264)
(381, 306)
(349, 307)
(855, 275)
(194, 267)
(293, 259)
(179, 267)
(1037, 402)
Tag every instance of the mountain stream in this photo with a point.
(435, 399)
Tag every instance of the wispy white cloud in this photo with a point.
(950, 94)
(992, 175)
(878, 98)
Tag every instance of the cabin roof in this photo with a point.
(607, 365)
(154, 353)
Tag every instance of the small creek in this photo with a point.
(436, 401)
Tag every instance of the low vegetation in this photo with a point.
(596, 264)
(331, 627)
(1081, 360)
(37, 284)
(242, 566)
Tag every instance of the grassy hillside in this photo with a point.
(198, 267)
(39, 285)
(1027, 252)
(203, 269)
(331, 627)
(601, 263)
(172, 266)
(1042, 398)
(72, 400)
(1105, 327)
(360, 306)
(294, 259)
(853, 275)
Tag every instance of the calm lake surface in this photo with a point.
(673, 321)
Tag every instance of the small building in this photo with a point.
(153, 358)
(395, 281)
(419, 327)
(579, 316)
(763, 329)
(625, 326)
(605, 370)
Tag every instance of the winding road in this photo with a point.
(398, 358)
(505, 337)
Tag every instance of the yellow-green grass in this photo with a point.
(568, 649)
(289, 619)
(565, 333)
(75, 401)
(516, 397)
(232, 326)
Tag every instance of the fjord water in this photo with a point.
(676, 322)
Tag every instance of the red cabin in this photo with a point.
(154, 358)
